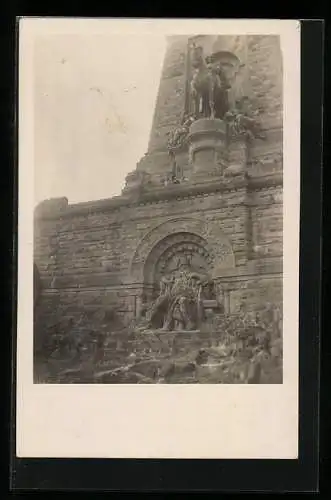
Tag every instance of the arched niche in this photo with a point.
(228, 61)
(182, 249)
(231, 52)
(180, 235)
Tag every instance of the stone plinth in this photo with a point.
(237, 157)
(207, 144)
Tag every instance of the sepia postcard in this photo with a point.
(159, 201)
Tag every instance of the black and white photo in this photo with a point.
(159, 196)
(178, 278)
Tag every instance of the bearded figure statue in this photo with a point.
(179, 304)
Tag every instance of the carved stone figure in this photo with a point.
(221, 98)
(241, 121)
(176, 140)
(179, 305)
(208, 87)
(178, 135)
(175, 175)
(180, 315)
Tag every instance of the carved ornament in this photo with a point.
(242, 121)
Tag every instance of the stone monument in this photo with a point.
(198, 226)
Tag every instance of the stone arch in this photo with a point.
(172, 250)
(215, 242)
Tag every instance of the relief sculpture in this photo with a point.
(176, 141)
(179, 305)
(242, 121)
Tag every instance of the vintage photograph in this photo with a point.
(158, 209)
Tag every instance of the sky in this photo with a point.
(94, 99)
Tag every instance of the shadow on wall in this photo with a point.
(37, 287)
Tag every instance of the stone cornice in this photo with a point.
(164, 194)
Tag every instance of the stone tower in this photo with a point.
(208, 193)
(254, 66)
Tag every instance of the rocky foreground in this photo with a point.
(241, 349)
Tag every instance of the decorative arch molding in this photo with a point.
(174, 250)
(217, 245)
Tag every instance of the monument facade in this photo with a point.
(197, 234)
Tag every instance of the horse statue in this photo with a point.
(208, 88)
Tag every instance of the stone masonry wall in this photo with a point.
(255, 293)
(84, 252)
(264, 61)
(91, 254)
(96, 249)
(171, 94)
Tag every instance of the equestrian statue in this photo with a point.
(209, 87)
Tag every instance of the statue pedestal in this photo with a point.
(207, 145)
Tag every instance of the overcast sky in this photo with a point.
(94, 104)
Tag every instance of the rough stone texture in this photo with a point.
(94, 257)
(95, 250)
(171, 95)
(229, 349)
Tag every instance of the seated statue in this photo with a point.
(179, 303)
